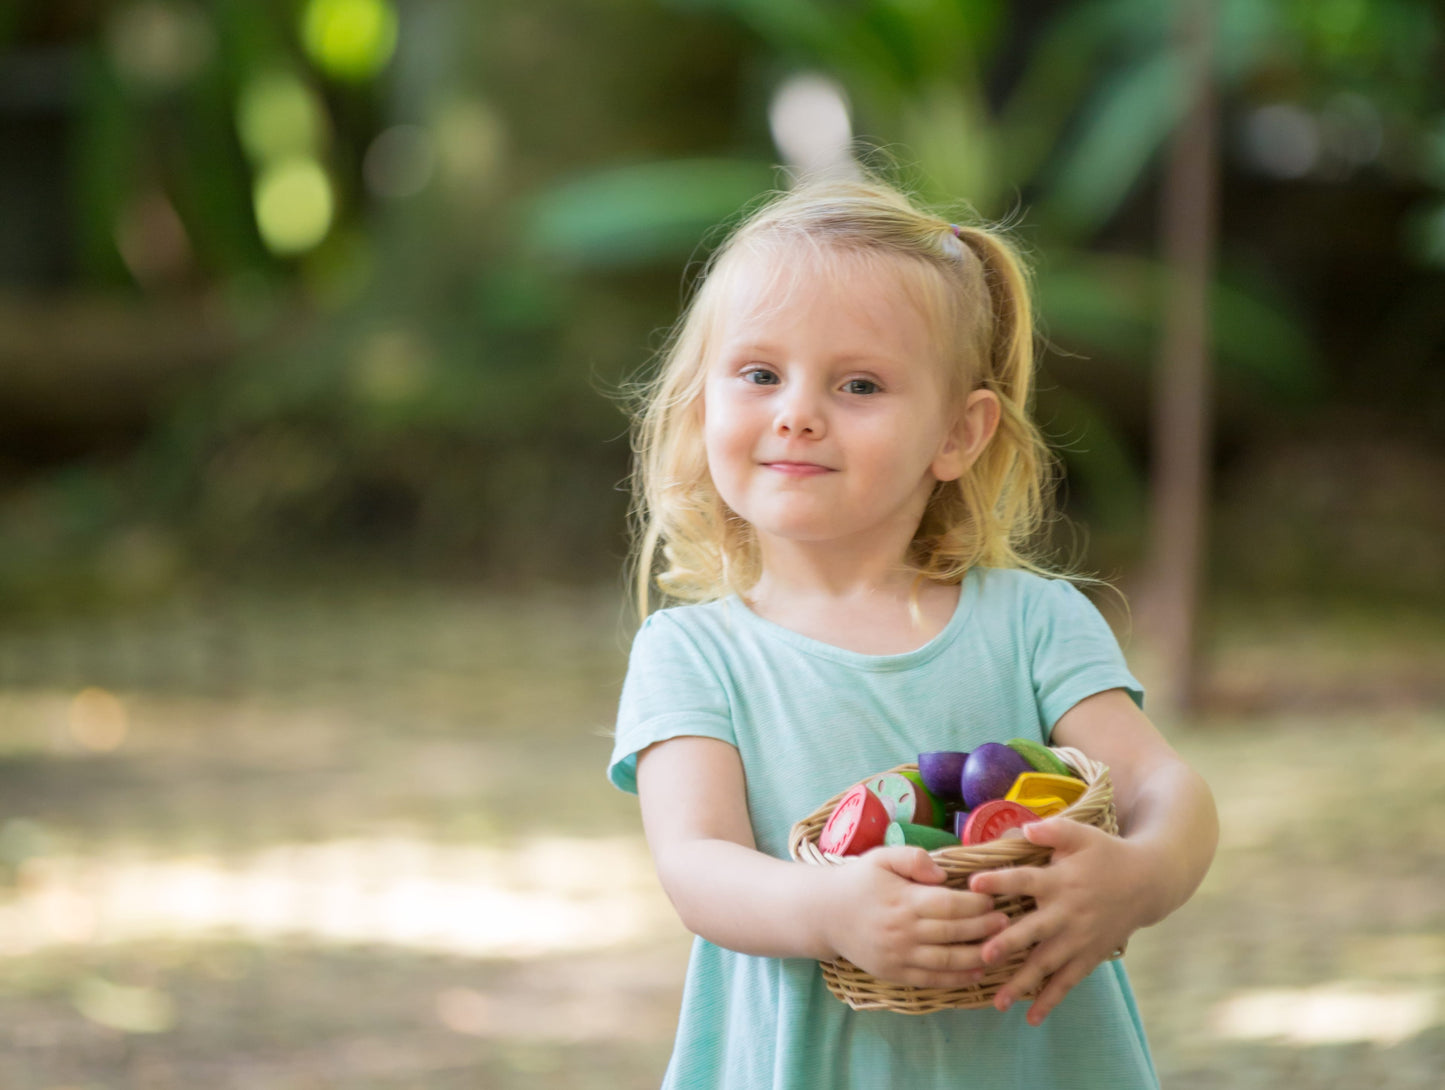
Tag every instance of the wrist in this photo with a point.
(824, 906)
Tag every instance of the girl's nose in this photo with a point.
(799, 415)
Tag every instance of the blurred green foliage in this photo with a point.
(441, 235)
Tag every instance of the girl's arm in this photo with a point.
(1097, 890)
(886, 912)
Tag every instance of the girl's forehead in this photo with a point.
(867, 294)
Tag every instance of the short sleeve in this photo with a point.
(671, 690)
(1074, 652)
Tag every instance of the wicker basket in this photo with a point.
(863, 991)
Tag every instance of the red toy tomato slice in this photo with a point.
(991, 820)
(859, 822)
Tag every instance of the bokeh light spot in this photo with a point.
(128, 1009)
(542, 898)
(470, 144)
(1282, 140)
(463, 1010)
(1328, 1014)
(152, 240)
(159, 44)
(393, 367)
(349, 39)
(811, 125)
(98, 720)
(279, 117)
(400, 162)
(294, 205)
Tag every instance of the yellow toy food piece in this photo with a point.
(1044, 793)
(1047, 806)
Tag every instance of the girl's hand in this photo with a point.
(889, 914)
(1087, 906)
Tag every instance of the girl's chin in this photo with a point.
(808, 532)
(794, 529)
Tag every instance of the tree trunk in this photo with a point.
(1182, 408)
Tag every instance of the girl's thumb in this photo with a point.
(1056, 833)
(915, 864)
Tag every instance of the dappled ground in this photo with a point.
(296, 840)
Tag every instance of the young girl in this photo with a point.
(838, 472)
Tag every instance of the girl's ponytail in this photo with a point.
(991, 516)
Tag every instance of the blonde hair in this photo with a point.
(972, 286)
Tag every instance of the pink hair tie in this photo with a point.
(957, 231)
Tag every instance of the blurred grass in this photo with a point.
(412, 757)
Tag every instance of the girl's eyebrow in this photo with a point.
(760, 347)
(763, 349)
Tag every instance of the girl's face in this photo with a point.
(825, 416)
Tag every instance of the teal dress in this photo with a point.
(810, 719)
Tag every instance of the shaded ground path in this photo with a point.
(294, 840)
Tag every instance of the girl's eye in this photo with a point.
(760, 376)
(861, 386)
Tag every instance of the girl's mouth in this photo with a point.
(798, 469)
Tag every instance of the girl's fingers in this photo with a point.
(952, 904)
(1061, 833)
(970, 929)
(1008, 882)
(915, 864)
(1036, 969)
(1027, 931)
(1059, 985)
(959, 958)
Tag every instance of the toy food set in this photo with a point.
(967, 810)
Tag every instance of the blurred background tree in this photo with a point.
(317, 284)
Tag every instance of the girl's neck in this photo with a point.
(885, 617)
(859, 568)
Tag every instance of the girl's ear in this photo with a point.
(972, 429)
